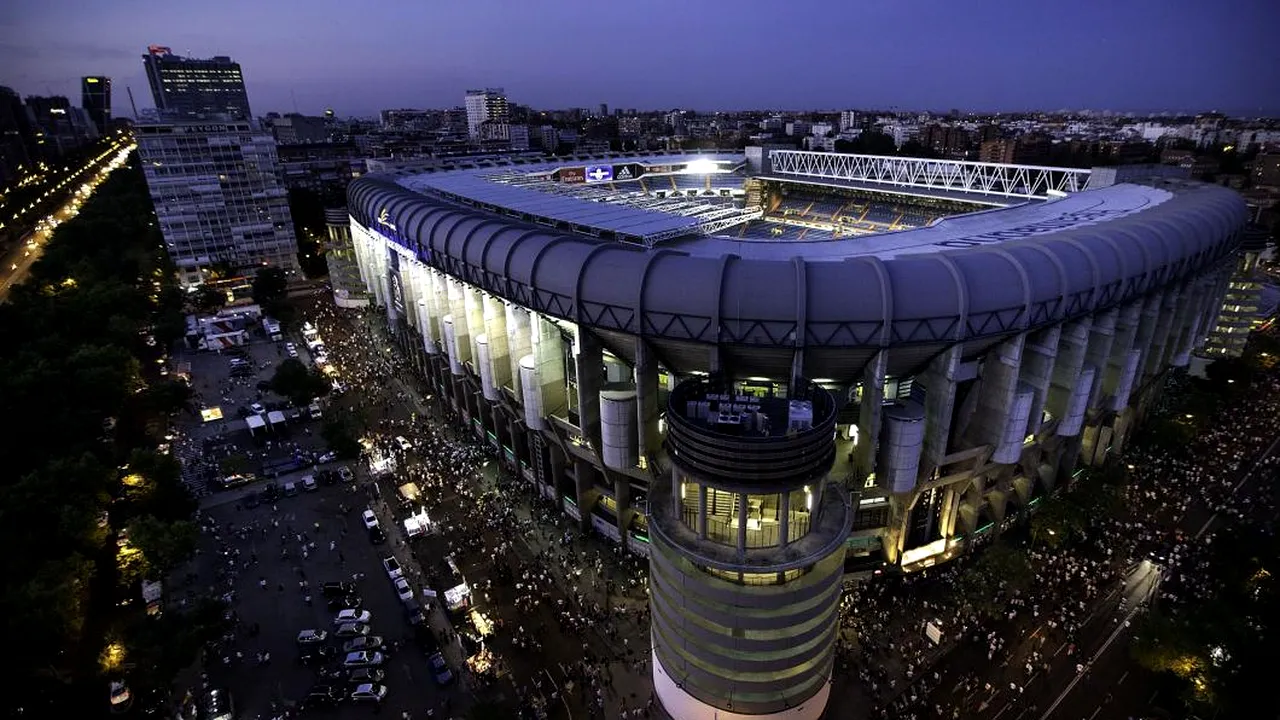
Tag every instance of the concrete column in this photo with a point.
(516, 437)
(939, 382)
(784, 519)
(1166, 315)
(495, 327)
(590, 363)
(519, 344)
(1180, 349)
(558, 462)
(1073, 347)
(622, 496)
(647, 410)
(549, 357)
(873, 377)
(1127, 318)
(461, 329)
(584, 485)
(1102, 333)
(1148, 329)
(742, 522)
(702, 510)
(473, 305)
(1039, 355)
(996, 389)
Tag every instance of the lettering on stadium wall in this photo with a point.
(1021, 232)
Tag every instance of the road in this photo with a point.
(16, 264)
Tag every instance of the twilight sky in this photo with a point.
(361, 56)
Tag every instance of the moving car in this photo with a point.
(352, 615)
(368, 693)
(370, 520)
(363, 659)
(440, 669)
(402, 589)
(257, 408)
(405, 445)
(392, 566)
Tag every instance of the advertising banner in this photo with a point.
(571, 175)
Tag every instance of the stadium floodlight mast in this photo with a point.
(701, 166)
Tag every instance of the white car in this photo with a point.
(352, 615)
(257, 408)
(362, 658)
(405, 445)
(402, 589)
(370, 520)
(392, 566)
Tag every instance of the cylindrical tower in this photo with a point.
(747, 553)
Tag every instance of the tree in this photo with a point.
(299, 383)
(208, 299)
(162, 545)
(340, 435)
(269, 287)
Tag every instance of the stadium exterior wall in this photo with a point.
(1028, 356)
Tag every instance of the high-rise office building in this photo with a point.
(486, 106)
(17, 137)
(218, 195)
(191, 88)
(64, 127)
(95, 98)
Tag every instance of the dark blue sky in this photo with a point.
(358, 57)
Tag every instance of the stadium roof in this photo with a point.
(494, 187)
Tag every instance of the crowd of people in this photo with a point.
(888, 647)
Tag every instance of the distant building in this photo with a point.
(293, 129)
(320, 167)
(218, 195)
(18, 137)
(1241, 307)
(191, 88)
(344, 273)
(64, 127)
(848, 120)
(95, 98)
(519, 137)
(486, 106)
(1015, 151)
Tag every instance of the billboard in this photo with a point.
(630, 171)
(660, 169)
(571, 175)
(599, 173)
(397, 286)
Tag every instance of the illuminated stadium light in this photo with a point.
(701, 166)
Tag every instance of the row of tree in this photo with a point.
(89, 502)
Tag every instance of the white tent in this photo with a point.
(275, 417)
(255, 423)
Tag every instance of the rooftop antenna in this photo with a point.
(132, 104)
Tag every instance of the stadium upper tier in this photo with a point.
(964, 278)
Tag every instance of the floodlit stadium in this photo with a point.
(763, 369)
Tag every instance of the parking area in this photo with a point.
(277, 558)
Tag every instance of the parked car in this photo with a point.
(346, 474)
(367, 642)
(368, 693)
(376, 536)
(322, 696)
(309, 483)
(257, 408)
(326, 457)
(345, 601)
(336, 589)
(352, 615)
(413, 612)
(392, 566)
(370, 520)
(363, 659)
(351, 630)
(440, 669)
(316, 654)
(402, 589)
(312, 637)
(359, 676)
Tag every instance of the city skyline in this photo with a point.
(1087, 55)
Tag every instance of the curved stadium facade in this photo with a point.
(761, 369)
